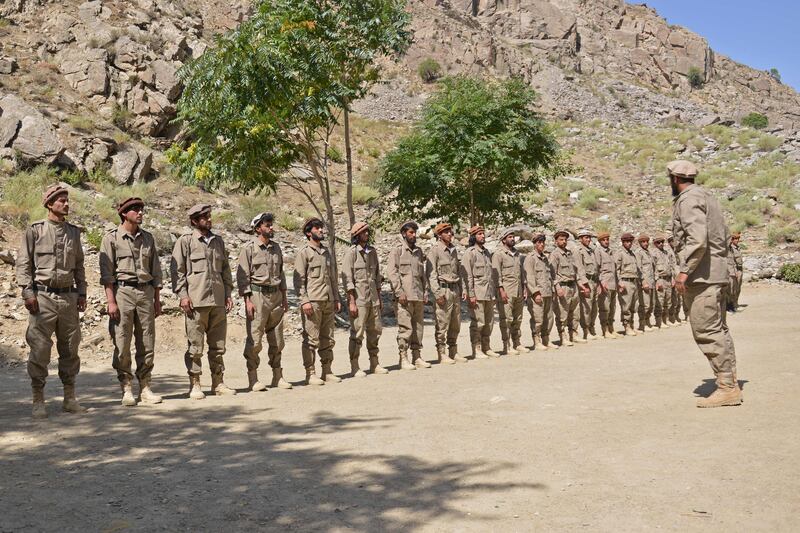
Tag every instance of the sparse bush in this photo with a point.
(790, 272)
(373, 152)
(429, 70)
(22, 195)
(363, 194)
(335, 155)
(768, 143)
(288, 222)
(590, 198)
(121, 116)
(121, 138)
(164, 240)
(94, 238)
(778, 233)
(81, 123)
(696, 78)
(775, 74)
(756, 121)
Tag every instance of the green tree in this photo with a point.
(696, 78)
(775, 74)
(429, 70)
(478, 152)
(756, 121)
(259, 108)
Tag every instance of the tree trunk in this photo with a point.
(348, 154)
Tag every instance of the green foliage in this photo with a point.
(768, 143)
(94, 237)
(429, 70)
(81, 123)
(478, 151)
(790, 272)
(22, 195)
(121, 116)
(775, 74)
(335, 155)
(363, 194)
(590, 198)
(696, 77)
(756, 121)
(778, 232)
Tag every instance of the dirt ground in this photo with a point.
(601, 437)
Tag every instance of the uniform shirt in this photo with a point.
(646, 266)
(539, 275)
(443, 266)
(738, 259)
(260, 264)
(51, 255)
(627, 264)
(566, 267)
(701, 236)
(406, 271)
(314, 280)
(361, 272)
(507, 265)
(201, 270)
(608, 268)
(478, 274)
(673, 261)
(129, 258)
(588, 258)
(662, 264)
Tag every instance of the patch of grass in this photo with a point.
(429, 70)
(602, 225)
(363, 194)
(253, 204)
(81, 123)
(768, 143)
(94, 238)
(590, 198)
(121, 138)
(374, 152)
(22, 195)
(289, 222)
(755, 120)
(335, 155)
(790, 272)
(101, 174)
(121, 116)
(779, 233)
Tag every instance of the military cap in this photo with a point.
(736, 234)
(261, 217)
(409, 224)
(644, 237)
(538, 237)
(506, 233)
(561, 232)
(310, 222)
(626, 236)
(670, 238)
(682, 169)
(357, 228)
(585, 233)
(130, 203)
(603, 235)
(659, 237)
(442, 226)
(199, 209)
(51, 192)
(474, 230)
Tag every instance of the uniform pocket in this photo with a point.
(405, 268)
(45, 259)
(445, 269)
(125, 261)
(315, 271)
(199, 262)
(260, 266)
(361, 273)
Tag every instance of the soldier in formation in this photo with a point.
(480, 287)
(663, 267)
(509, 276)
(647, 283)
(607, 286)
(539, 277)
(736, 271)
(445, 280)
(589, 263)
(569, 280)
(629, 279)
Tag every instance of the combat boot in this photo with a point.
(444, 359)
(39, 408)
(127, 394)
(519, 347)
(575, 337)
(311, 377)
(218, 386)
(727, 392)
(592, 335)
(405, 364)
(328, 375)
(629, 331)
(564, 339)
(477, 353)
(146, 394)
(538, 344)
(418, 361)
(375, 367)
(648, 327)
(455, 356)
(609, 333)
(71, 404)
(508, 349)
(278, 381)
(195, 392)
(355, 370)
(548, 345)
(487, 349)
(254, 384)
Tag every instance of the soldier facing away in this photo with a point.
(569, 278)
(539, 277)
(480, 288)
(628, 278)
(315, 283)
(51, 274)
(591, 269)
(130, 271)
(662, 264)
(202, 279)
(510, 280)
(361, 277)
(607, 288)
(262, 283)
(702, 247)
(445, 280)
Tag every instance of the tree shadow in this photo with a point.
(204, 465)
(710, 385)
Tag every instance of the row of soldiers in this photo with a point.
(569, 288)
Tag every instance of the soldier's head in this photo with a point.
(585, 236)
(604, 239)
(681, 174)
(644, 241)
(538, 242)
(561, 237)
(56, 200)
(131, 210)
(200, 217)
(314, 229)
(262, 225)
(477, 235)
(359, 233)
(735, 238)
(508, 239)
(658, 242)
(444, 232)
(671, 242)
(627, 240)
(409, 232)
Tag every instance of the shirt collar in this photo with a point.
(129, 235)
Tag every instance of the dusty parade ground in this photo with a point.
(599, 437)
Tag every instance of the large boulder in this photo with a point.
(27, 131)
(85, 70)
(166, 78)
(123, 163)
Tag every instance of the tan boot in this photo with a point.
(418, 361)
(487, 349)
(253, 383)
(477, 353)
(565, 340)
(405, 364)
(218, 386)
(727, 393)
(278, 381)
(575, 337)
(609, 333)
(70, 404)
(127, 394)
(508, 349)
(629, 331)
(538, 344)
(444, 359)
(39, 410)
(311, 377)
(146, 394)
(355, 370)
(455, 356)
(549, 345)
(592, 335)
(327, 374)
(195, 392)
(375, 367)
(520, 348)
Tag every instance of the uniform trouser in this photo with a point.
(566, 309)
(409, 325)
(735, 287)
(676, 305)
(137, 320)
(541, 316)
(318, 334)
(709, 326)
(607, 306)
(588, 306)
(207, 324)
(510, 318)
(448, 319)
(646, 300)
(628, 301)
(481, 322)
(663, 304)
(267, 320)
(58, 313)
(368, 322)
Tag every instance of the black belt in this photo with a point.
(266, 289)
(452, 285)
(591, 277)
(55, 290)
(632, 280)
(567, 283)
(134, 284)
(668, 278)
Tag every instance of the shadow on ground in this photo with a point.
(708, 386)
